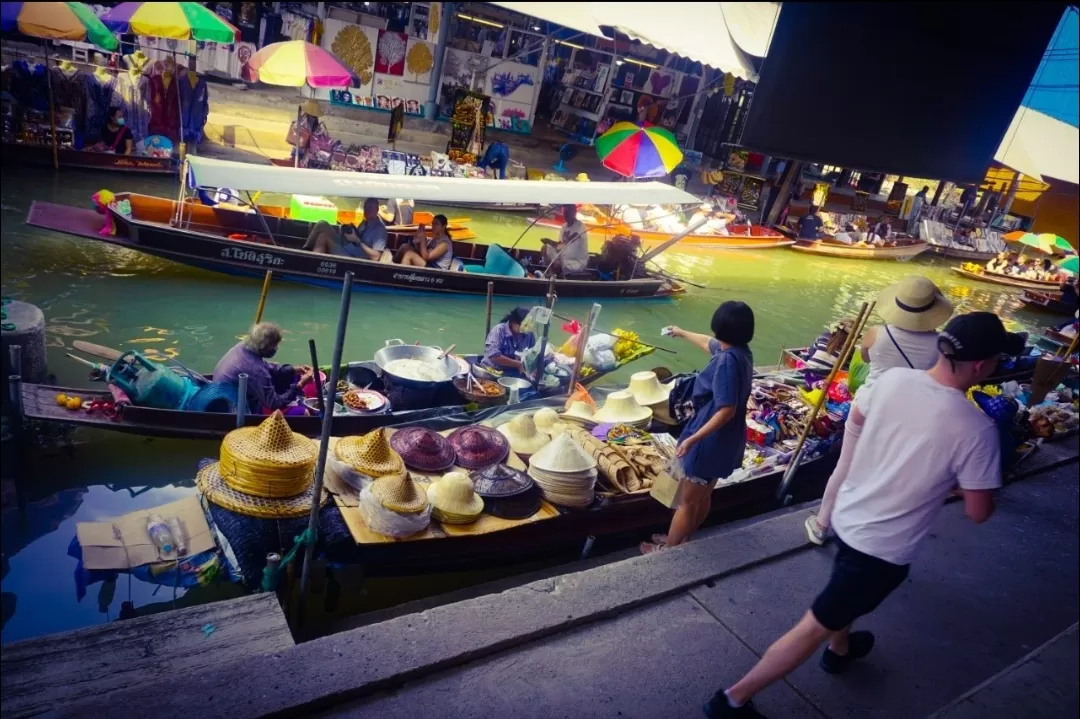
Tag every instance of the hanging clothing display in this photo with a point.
(164, 106)
(134, 89)
(194, 106)
(103, 94)
(71, 92)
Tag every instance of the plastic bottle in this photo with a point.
(178, 536)
(160, 534)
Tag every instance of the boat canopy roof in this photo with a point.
(211, 173)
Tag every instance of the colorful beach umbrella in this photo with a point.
(296, 63)
(1070, 264)
(172, 20)
(56, 21)
(1046, 242)
(633, 151)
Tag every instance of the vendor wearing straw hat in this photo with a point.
(913, 309)
(712, 444)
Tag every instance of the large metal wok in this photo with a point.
(447, 367)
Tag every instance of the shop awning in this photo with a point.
(721, 35)
(210, 173)
(1041, 147)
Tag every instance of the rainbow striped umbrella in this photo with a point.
(172, 20)
(633, 151)
(1070, 264)
(56, 21)
(296, 63)
(1046, 242)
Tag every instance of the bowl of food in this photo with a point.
(480, 391)
(363, 401)
(487, 373)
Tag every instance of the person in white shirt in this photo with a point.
(921, 437)
(571, 253)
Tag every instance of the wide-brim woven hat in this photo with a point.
(369, 454)
(523, 435)
(422, 449)
(454, 500)
(620, 407)
(544, 418)
(477, 446)
(915, 304)
(647, 390)
(520, 506)
(212, 486)
(269, 460)
(499, 481)
(579, 411)
(562, 456)
(400, 493)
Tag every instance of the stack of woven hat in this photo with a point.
(622, 408)
(477, 447)
(565, 472)
(454, 499)
(506, 492)
(263, 471)
(369, 457)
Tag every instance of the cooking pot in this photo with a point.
(448, 367)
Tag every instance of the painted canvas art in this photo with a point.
(390, 53)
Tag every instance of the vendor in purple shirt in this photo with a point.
(270, 385)
(504, 342)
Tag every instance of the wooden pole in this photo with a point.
(583, 340)
(549, 304)
(296, 153)
(783, 193)
(490, 298)
(324, 444)
(262, 296)
(845, 354)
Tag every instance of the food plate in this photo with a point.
(363, 401)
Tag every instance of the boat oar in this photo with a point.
(262, 296)
(99, 351)
(662, 247)
(637, 342)
(96, 366)
(845, 354)
(316, 376)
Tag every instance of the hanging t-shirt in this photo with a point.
(246, 16)
(920, 439)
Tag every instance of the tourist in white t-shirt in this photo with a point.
(571, 253)
(921, 437)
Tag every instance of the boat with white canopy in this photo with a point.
(249, 239)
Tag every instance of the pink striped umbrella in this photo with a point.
(296, 63)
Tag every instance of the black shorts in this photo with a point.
(859, 583)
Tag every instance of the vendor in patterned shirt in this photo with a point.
(505, 341)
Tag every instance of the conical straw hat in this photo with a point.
(579, 410)
(562, 456)
(454, 500)
(269, 460)
(523, 435)
(545, 417)
(400, 493)
(647, 389)
(423, 449)
(369, 454)
(478, 446)
(621, 407)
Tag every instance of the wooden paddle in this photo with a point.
(99, 351)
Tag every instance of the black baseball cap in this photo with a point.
(978, 336)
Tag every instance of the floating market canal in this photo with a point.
(115, 297)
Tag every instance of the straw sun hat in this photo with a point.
(523, 436)
(621, 408)
(400, 493)
(477, 446)
(565, 472)
(507, 493)
(263, 471)
(369, 454)
(647, 389)
(454, 499)
(422, 449)
(914, 304)
(579, 411)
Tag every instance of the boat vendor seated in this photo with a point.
(571, 253)
(397, 212)
(810, 224)
(438, 251)
(270, 385)
(116, 136)
(365, 241)
(505, 341)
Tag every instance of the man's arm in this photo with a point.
(978, 504)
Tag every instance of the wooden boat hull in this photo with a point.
(1006, 281)
(962, 254)
(829, 249)
(152, 234)
(42, 155)
(764, 239)
(1043, 302)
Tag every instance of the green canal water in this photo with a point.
(119, 298)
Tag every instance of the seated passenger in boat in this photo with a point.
(365, 241)
(270, 386)
(630, 216)
(505, 340)
(810, 224)
(571, 252)
(437, 251)
(714, 225)
(999, 263)
(849, 236)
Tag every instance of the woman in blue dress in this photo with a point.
(711, 446)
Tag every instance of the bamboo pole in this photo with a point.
(324, 444)
(487, 309)
(845, 354)
(549, 304)
(583, 340)
(262, 296)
